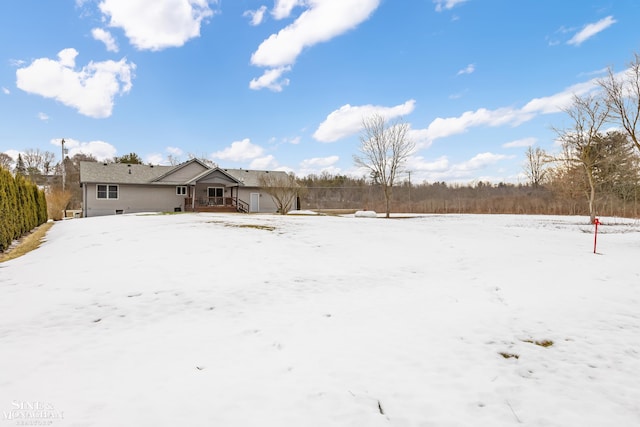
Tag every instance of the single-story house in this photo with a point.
(192, 186)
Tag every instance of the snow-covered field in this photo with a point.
(259, 320)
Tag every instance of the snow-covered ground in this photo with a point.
(260, 320)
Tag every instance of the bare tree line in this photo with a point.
(327, 192)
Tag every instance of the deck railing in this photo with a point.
(213, 202)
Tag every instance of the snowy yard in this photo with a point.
(258, 320)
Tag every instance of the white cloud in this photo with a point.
(347, 120)
(518, 143)
(594, 72)
(420, 137)
(157, 24)
(257, 16)
(106, 38)
(43, 117)
(441, 169)
(99, 149)
(90, 90)
(17, 62)
(13, 154)
(444, 127)
(175, 151)
(264, 163)
(319, 162)
(320, 22)
(447, 4)
(239, 151)
(271, 79)
(67, 57)
(418, 163)
(318, 165)
(468, 69)
(556, 103)
(155, 159)
(591, 30)
(480, 161)
(282, 8)
(6, 91)
(161, 159)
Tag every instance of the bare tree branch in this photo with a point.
(384, 149)
(622, 95)
(283, 189)
(535, 166)
(579, 143)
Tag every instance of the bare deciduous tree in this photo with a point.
(173, 160)
(579, 142)
(385, 148)
(6, 161)
(38, 162)
(622, 95)
(283, 189)
(204, 159)
(535, 166)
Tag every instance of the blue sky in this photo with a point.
(285, 84)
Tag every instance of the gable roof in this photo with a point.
(123, 173)
(184, 167)
(120, 173)
(213, 171)
(250, 178)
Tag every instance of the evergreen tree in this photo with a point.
(5, 212)
(20, 167)
(131, 158)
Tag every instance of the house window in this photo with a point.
(181, 190)
(105, 191)
(216, 196)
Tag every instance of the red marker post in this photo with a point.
(596, 222)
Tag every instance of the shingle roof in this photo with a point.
(249, 178)
(120, 173)
(175, 168)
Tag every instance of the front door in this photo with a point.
(254, 202)
(216, 196)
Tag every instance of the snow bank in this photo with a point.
(366, 214)
(302, 212)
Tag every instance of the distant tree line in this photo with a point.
(559, 194)
(23, 207)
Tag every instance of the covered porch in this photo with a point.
(205, 197)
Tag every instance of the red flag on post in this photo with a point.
(596, 222)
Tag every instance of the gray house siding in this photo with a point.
(184, 173)
(146, 188)
(265, 204)
(131, 199)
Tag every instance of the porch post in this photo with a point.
(193, 198)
